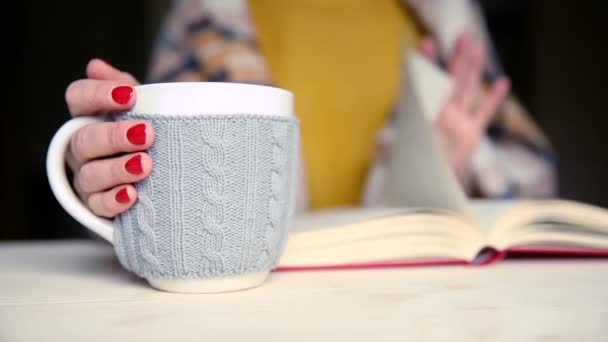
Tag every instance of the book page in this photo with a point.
(486, 212)
(419, 175)
(549, 223)
(375, 236)
(341, 216)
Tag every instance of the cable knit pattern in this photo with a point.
(213, 209)
(145, 223)
(281, 169)
(218, 199)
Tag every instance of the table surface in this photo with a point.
(76, 291)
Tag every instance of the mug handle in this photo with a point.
(58, 180)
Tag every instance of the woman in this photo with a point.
(342, 59)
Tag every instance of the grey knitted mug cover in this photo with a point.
(218, 199)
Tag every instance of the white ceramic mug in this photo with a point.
(213, 214)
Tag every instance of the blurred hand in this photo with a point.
(101, 178)
(467, 112)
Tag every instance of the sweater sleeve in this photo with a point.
(173, 59)
(515, 159)
(207, 41)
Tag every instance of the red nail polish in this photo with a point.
(137, 134)
(133, 165)
(122, 94)
(122, 196)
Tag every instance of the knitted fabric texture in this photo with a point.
(218, 200)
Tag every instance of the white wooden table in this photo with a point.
(77, 291)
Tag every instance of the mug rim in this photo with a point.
(213, 85)
(221, 98)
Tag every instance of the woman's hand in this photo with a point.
(107, 157)
(466, 114)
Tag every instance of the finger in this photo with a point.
(99, 69)
(91, 97)
(449, 121)
(428, 48)
(457, 125)
(83, 195)
(459, 56)
(488, 107)
(103, 174)
(459, 66)
(109, 138)
(472, 77)
(458, 135)
(113, 202)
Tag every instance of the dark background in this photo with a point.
(555, 52)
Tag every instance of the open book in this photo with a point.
(429, 219)
(400, 237)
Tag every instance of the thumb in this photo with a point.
(99, 69)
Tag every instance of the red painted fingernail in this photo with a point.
(122, 196)
(137, 134)
(133, 165)
(122, 94)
